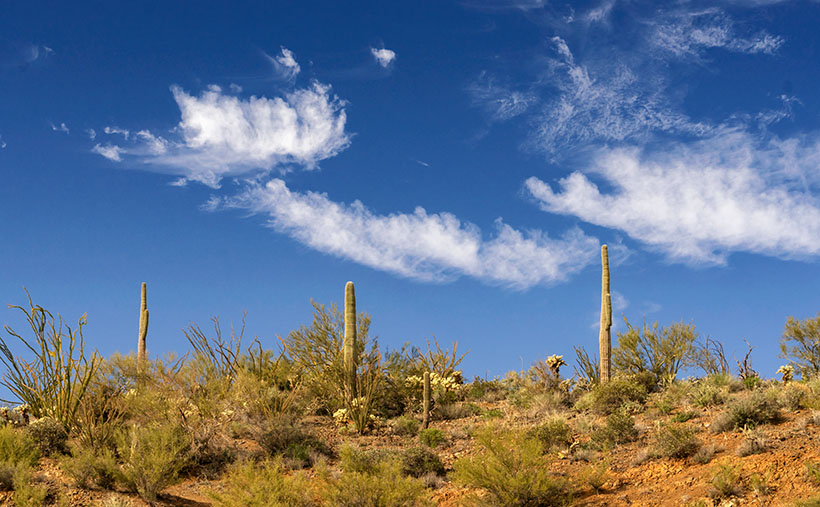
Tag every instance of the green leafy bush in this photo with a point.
(18, 453)
(286, 437)
(251, 485)
(419, 461)
(661, 351)
(49, 435)
(675, 441)
(90, 467)
(553, 433)
(619, 429)
(432, 437)
(800, 344)
(511, 468)
(405, 426)
(610, 396)
(747, 412)
(152, 457)
(384, 487)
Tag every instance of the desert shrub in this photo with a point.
(352, 458)
(749, 411)
(588, 370)
(800, 344)
(704, 454)
(706, 394)
(49, 435)
(710, 357)
(675, 441)
(419, 461)
(618, 429)
(760, 484)
(486, 390)
(432, 437)
(610, 396)
(451, 411)
(55, 381)
(18, 453)
(251, 485)
(101, 411)
(384, 486)
(554, 432)
(152, 458)
(511, 468)
(27, 493)
(405, 426)
(596, 475)
(286, 437)
(444, 362)
(660, 351)
(793, 397)
(91, 467)
(725, 482)
(754, 442)
(813, 472)
(684, 416)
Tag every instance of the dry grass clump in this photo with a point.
(675, 440)
(747, 412)
(754, 442)
(618, 429)
(553, 433)
(725, 482)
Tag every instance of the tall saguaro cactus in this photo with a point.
(605, 338)
(349, 353)
(141, 357)
(425, 422)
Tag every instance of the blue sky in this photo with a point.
(461, 162)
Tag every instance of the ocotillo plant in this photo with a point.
(349, 352)
(605, 338)
(141, 357)
(425, 422)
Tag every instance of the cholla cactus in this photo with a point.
(555, 362)
(17, 416)
(787, 371)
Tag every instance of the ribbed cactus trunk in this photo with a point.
(349, 355)
(141, 353)
(605, 338)
(425, 422)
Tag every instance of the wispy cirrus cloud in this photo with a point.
(499, 100)
(698, 202)
(420, 245)
(223, 135)
(284, 63)
(2, 142)
(62, 127)
(383, 56)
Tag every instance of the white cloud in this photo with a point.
(117, 130)
(611, 104)
(384, 57)
(92, 134)
(418, 245)
(601, 13)
(235, 88)
(109, 151)
(688, 34)
(2, 142)
(60, 128)
(222, 135)
(498, 100)
(284, 63)
(699, 202)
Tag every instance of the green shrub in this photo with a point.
(801, 345)
(707, 394)
(747, 412)
(684, 416)
(354, 459)
(555, 432)
(247, 484)
(432, 437)
(486, 390)
(152, 458)
(383, 487)
(405, 426)
(54, 382)
(419, 461)
(511, 468)
(493, 413)
(619, 429)
(49, 435)
(793, 397)
(725, 482)
(610, 396)
(18, 453)
(90, 467)
(660, 351)
(26, 492)
(675, 441)
(286, 437)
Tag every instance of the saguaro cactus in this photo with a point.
(605, 338)
(141, 357)
(425, 422)
(349, 353)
